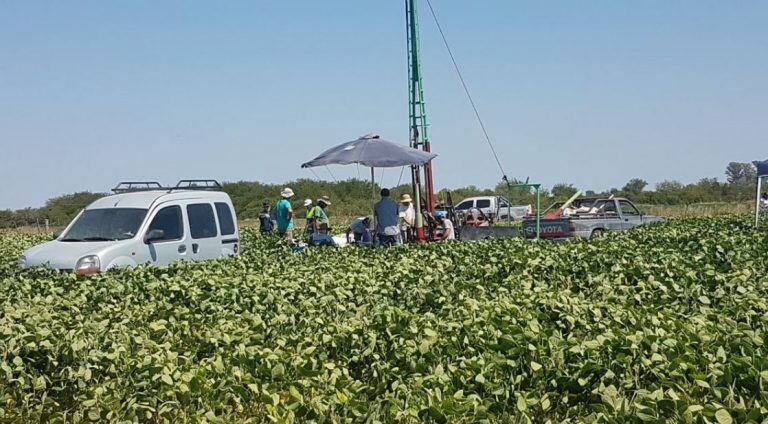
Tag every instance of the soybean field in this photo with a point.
(661, 324)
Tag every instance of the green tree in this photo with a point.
(635, 186)
(563, 191)
(740, 174)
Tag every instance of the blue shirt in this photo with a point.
(386, 214)
(281, 212)
(358, 226)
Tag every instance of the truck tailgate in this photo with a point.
(549, 228)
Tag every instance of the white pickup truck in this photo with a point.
(592, 218)
(495, 208)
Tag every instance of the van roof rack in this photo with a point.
(197, 185)
(129, 186)
(134, 186)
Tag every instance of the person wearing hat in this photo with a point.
(407, 217)
(266, 224)
(310, 227)
(284, 215)
(447, 224)
(321, 236)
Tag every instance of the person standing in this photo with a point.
(310, 226)
(448, 230)
(266, 224)
(407, 218)
(284, 215)
(385, 218)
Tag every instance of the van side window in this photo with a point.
(464, 205)
(226, 222)
(202, 223)
(483, 203)
(169, 220)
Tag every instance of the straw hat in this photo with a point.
(325, 200)
(406, 198)
(287, 192)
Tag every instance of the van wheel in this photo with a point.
(596, 233)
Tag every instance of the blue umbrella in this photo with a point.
(371, 151)
(762, 167)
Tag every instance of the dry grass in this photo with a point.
(698, 209)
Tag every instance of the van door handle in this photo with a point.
(195, 247)
(182, 248)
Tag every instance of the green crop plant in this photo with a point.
(661, 324)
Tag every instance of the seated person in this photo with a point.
(322, 233)
(361, 231)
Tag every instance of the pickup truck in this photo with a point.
(590, 220)
(494, 208)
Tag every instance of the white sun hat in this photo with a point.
(287, 192)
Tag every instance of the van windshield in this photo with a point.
(106, 225)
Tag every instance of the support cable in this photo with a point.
(466, 90)
(331, 173)
(314, 173)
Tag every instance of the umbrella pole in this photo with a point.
(757, 201)
(373, 198)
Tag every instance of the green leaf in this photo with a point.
(278, 371)
(39, 383)
(535, 366)
(723, 417)
(522, 404)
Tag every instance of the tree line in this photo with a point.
(354, 197)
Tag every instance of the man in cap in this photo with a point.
(447, 224)
(385, 217)
(321, 236)
(284, 215)
(407, 217)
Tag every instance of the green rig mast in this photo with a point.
(419, 124)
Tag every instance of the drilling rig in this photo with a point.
(418, 122)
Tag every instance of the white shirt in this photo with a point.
(407, 215)
(448, 227)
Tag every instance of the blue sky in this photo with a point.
(591, 92)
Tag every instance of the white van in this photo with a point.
(144, 223)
